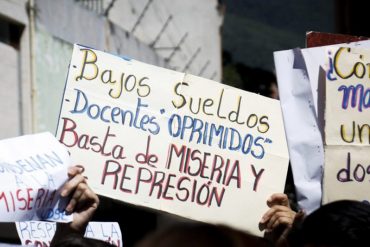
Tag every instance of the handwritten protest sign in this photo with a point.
(301, 78)
(347, 125)
(40, 233)
(32, 169)
(172, 141)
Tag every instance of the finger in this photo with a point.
(266, 217)
(74, 170)
(84, 197)
(278, 199)
(276, 208)
(285, 218)
(272, 220)
(82, 216)
(76, 197)
(88, 199)
(285, 221)
(85, 204)
(71, 185)
(299, 217)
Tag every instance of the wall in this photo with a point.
(39, 65)
(15, 82)
(9, 93)
(52, 60)
(198, 21)
(55, 34)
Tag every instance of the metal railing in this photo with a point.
(97, 6)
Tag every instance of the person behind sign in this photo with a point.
(83, 204)
(340, 223)
(198, 234)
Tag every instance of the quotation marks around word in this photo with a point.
(267, 140)
(162, 111)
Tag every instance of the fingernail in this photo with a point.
(63, 193)
(80, 168)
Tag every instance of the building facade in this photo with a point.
(37, 36)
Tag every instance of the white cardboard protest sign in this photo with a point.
(347, 125)
(32, 170)
(41, 233)
(301, 75)
(172, 141)
(303, 135)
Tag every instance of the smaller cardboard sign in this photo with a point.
(41, 233)
(32, 170)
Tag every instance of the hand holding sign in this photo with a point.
(83, 203)
(279, 213)
(279, 219)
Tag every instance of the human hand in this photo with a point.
(279, 215)
(278, 220)
(83, 201)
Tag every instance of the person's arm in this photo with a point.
(83, 204)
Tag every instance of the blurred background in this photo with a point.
(229, 41)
